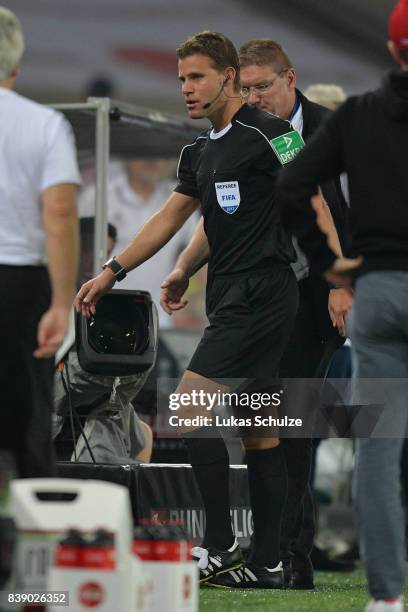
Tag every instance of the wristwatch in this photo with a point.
(116, 268)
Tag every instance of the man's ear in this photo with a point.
(229, 75)
(291, 77)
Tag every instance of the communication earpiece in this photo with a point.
(227, 78)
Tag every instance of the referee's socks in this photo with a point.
(210, 462)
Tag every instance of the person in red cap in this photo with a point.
(367, 138)
(398, 33)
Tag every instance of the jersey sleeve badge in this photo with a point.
(287, 146)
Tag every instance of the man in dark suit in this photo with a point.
(268, 81)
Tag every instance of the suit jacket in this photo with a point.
(313, 115)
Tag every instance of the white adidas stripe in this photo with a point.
(250, 574)
(235, 576)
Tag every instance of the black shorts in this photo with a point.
(250, 320)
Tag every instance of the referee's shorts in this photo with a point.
(251, 317)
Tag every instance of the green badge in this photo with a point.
(287, 146)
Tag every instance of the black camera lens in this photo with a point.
(120, 326)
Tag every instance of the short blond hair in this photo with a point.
(11, 43)
(328, 95)
(263, 52)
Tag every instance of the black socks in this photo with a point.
(210, 462)
(267, 477)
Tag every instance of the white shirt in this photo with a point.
(128, 212)
(37, 150)
(297, 120)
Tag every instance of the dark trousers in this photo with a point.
(307, 355)
(25, 382)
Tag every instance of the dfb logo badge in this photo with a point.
(228, 196)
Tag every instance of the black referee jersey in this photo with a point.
(233, 173)
(252, 291)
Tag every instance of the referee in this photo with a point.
(38, 178)
(231, 170)
(268, 81)
(367, 137)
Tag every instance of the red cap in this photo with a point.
(398, 25)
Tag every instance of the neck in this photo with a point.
(221, 117)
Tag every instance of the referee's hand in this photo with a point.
(92, 291)
(173, 288)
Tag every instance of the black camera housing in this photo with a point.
(121, 338)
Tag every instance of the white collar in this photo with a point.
(221, 133)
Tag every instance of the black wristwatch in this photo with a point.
(116, 268)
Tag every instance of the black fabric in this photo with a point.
(25, 382)
(298, 528)
(304, 531)
(124, 475)
(210, 462)
(252, 236)
(366, 137)
(250, 321)
(308, 353)
(312, 336)
(267, 478)
(313, 116)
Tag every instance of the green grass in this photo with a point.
(333, 593)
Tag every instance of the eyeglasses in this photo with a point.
(261, 88)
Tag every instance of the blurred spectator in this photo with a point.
(135, 193)
(38, 257)
(100, 87)
(330, 96)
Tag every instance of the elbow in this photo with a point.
(60, 214)
(61, 220)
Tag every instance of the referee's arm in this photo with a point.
(153, 235)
